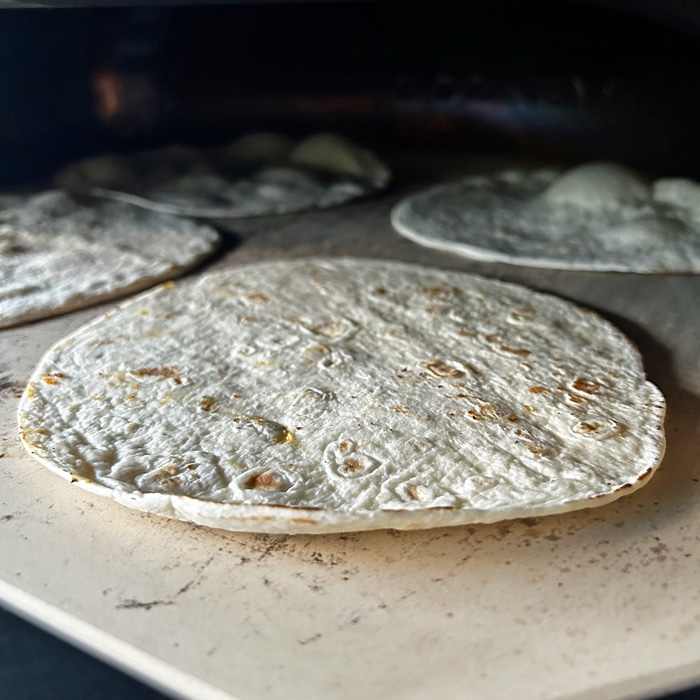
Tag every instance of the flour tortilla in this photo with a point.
(263, 173)
(57, 255)
(599, 216)
(326, 395)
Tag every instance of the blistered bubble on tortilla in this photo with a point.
(597, 186)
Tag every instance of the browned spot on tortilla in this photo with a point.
(345, 446)
(440, 291)
(353, 465)
(537, 389)
(263, 482)
(206, 403)
(258, 296)
(252, 319)
(380, 292)
(53, 377)
(169, 372)
(491, 338)
(441, 369)
(576, 399)
(400, 409)
(623, 488)
(464, 333)
(587, 386)
(645, 475)
(305, 521)
(172, 481)
(284, 437)
(512, 419)
(321, 349)
(413, 491)
(535, 449)
(514, 351)
(587, 428)
(167, 285)
(331, 329)
(523, 313)
(486, 410)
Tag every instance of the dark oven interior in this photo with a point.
(610, 79)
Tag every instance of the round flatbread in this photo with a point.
(327, 395)
(57, 255)
(259, 174)
(598, 216)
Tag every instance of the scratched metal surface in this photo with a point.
(599, 603)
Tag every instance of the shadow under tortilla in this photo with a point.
(228, 242)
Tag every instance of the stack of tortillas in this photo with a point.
(263, 173)
(325, 395)
(599, 216)
(57, 255)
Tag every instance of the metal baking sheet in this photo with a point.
(602, 603)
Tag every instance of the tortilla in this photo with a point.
(259, 174)
(599, 216)
(57, 255)
(323, 395)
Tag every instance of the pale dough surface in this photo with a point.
(57, 255)
(599, 216)
(325, 395)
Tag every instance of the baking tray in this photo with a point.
(601, 603)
